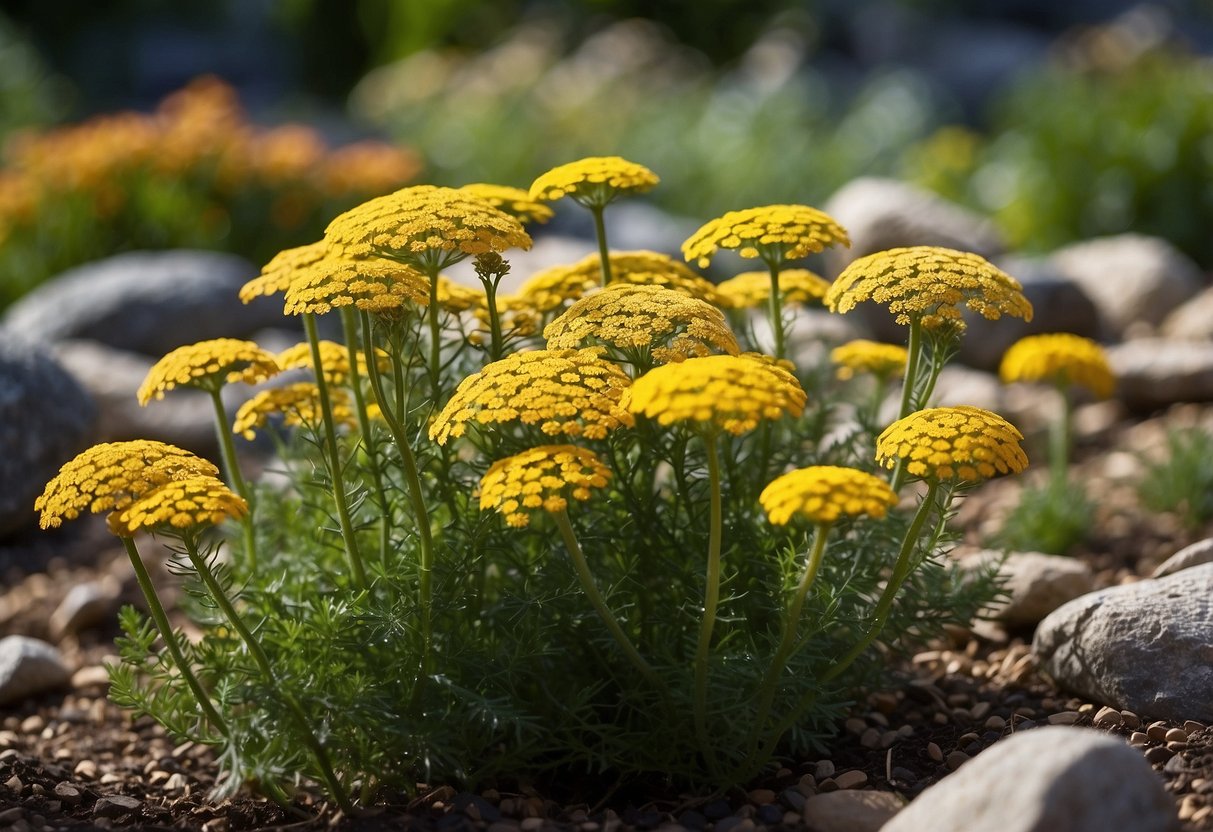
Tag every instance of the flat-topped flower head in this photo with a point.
(732, 393)
(751, 289)
(558, 286)
(299, 406)
(1062, 359)
(638, 320)
(929, 284)
(824, 493)
(276, 275)
(775, 233)
(334, 360)
(426, 227)
(594, 181)
(179, 505)
(953, 444)
(380, 287)
(514, 201)
(455, 297)
(111, 475)
(884, 361)
(541, 479)
(208, 365)
(562, 392)
(518, 318)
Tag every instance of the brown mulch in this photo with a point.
(73, 760)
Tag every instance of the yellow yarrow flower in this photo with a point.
(374, 285)
(111, 475)
(1062, 359)
(824, 493)
(964, 444)
(179, 504)
(668, 325)
(518, 318)
(558, 286)
(541, 478)
(775, 233)
(334, 360)
(570, 392)
(751, 289)
(514, 201)
(299, 406)
(732, 393)
(455, 297)
(276, 275)
(884, 361)
(208, 365)
(594, 181)
(426, 227)
(929, 284)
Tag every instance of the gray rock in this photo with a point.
(1045, 780)
(1133, 279)
(115, 806)
(46, 417)
(881, 214)
(84, 606)
(851, 810)
(1155, 372)
(1192, 321)
(29, 667)
(1198, 553)
(1146, 647)
(1036, 584)
(148, 302)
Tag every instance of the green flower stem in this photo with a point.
(431, 308)
(775, 308)
(913, 359)
(604, 255)
(421, 515)
(604, 612)
(334, 457)
(350, 325)
(303, 722)
(170, 638)
(711, 597)
(496, 342)
(766, 691)
(228, 450)
(1059, 438)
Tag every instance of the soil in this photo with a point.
(73, 760)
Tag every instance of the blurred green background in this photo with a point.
(1061, 120)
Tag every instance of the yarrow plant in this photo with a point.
(584, 527)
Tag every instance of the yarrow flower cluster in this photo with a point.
(513, 201)
(594, 181)
(824, 493)
(732, 393)
(334, 360)
(963, 444)
(542, 478)
(298, 404)
(111, 475)
(665, 324)
(276, 276)
(862, 356)
(208, 365)
(558, 286)
(776, 233)
(570, 392)
(751, 289)
(180, 504)
(1060, 358)
(381, 287)
(929, 284)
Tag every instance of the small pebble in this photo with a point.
(995, 723)
(1193, 727)
(1131, 720)
(115, 805)
(1063, 718)
(761, 797)
(1159, 754)
(851, 779)
(1108, 717)
(67, 793)
(870, 738)
(825, 768)
(934, 752)
(1176, 735)
(956, 759)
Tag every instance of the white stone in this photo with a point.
(29, 667)
(1199, 552)
(1045, 780)
(851, 810)
(1036, 584)
(1155, 372)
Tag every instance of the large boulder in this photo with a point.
(1192, 321)
(1153, 373)
(148, 302)
(46, 418)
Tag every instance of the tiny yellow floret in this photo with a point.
(334, 360)
(298, 404)
(558, 286)
(208, 365)
(542, 478)
(1062, 359)
(594, 181)
(179, 505)
(775, 233)
(959, 444)
(884, 361)
(374, 285)
(824, 493)
(514, 201)
(276, 275)
(752, 289)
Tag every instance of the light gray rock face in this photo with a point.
(85, 606)
(1045, 780)
(1132, 278)
(851, 810)
(1193, 321)
(1156, 372)
(147, 302)
(881, 214)
(1036, 584)
(1145, 647)
(29, 667)
(1198, 553)
(46, 418)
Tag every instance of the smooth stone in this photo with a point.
(1199, 552)
(115, 805)
(1046, 780)
(1152, 373)
(29, 667)
(1193, 320)
(1145, 647)
(1037, 584)
(851, 811)
(84, 606)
